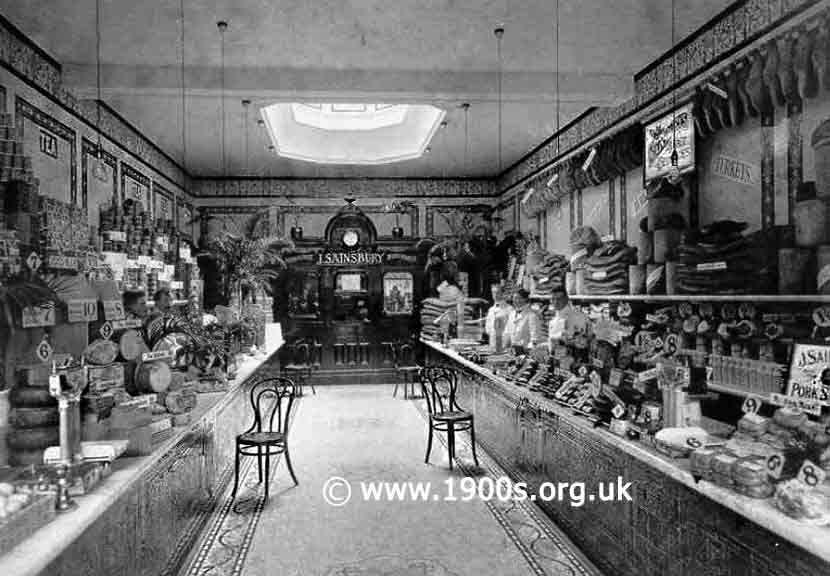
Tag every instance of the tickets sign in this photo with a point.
(810, 373)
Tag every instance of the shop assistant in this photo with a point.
(567, 322)
(497, 318)
(523, 324)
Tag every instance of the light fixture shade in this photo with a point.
(99, 168)
(361, 134)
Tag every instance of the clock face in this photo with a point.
(350, 238)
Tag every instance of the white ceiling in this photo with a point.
(440, 52)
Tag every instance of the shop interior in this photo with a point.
(414, 288)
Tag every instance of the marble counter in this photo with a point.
(814, 540)
(36, 554)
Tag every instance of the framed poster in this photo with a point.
(101, 189)
(135, 186)
(163, 203)
(675, 130)
(809, 377)
(397, 293)
(184, 216)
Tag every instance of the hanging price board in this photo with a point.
(113, 310)
(775, 465)
(810, 474)
(615, 377)
(157, 355)
(82, 310)
(33, 261)
(34, 317)
(43, 351)
(126, 324)
(106, 331)
(752, 404)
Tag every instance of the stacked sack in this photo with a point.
(549, 274)
(431, 310)
(606, 270)
(665, 220)
(720, 259)
(584, 240)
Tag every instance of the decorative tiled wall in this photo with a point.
(337, 188)
(740, 24)
(23, 58)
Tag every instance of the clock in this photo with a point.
(350, 238)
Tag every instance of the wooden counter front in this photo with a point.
(674, 525)
(144, 517)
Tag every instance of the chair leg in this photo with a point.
(429, 443)
(451, 442)
(290, 468)
(236, 475)
(473, 441)
(405, 386)
(267, 472)
(395, 391)
(311, 383)
(259, 464)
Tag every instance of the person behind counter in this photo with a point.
(567, 322)
(497, 318)
(162, 302)
(135, 304)
(523, 324)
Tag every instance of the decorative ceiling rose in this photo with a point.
(351, 133)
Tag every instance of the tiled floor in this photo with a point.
(362, 434)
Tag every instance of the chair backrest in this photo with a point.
(302, 353)
(439, 385)
(406, 355)
(272, 399)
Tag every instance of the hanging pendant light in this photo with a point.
(99, 169)
(674, 173)
(466, 107)
(246, 104)
(222, 25)
(190, 217)
(499, 33)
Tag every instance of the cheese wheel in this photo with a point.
(31, 397)
(26, 457)
(131, 345)
(33, 439)
(34, 417)
(151, 377)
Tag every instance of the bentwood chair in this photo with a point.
(439, 385)
(271, 402)
(300, 367)
(403, 357)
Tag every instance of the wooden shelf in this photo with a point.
(782, 298)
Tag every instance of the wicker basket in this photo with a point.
(25, 522)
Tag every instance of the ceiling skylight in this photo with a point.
(349, 116)
(351, 133)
